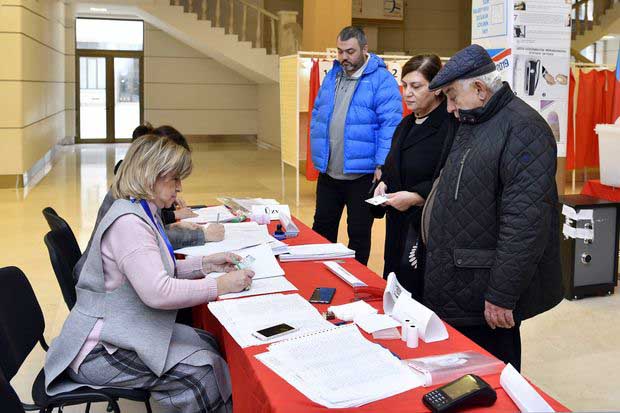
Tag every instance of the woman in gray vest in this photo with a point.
(122, 330)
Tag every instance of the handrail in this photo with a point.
(233, 18)
(260, 9)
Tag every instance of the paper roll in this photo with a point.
(403, 330)
(412, 336)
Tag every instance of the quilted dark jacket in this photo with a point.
(494, 230)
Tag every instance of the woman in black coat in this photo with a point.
(419, 148)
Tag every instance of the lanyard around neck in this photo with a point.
(147, 209)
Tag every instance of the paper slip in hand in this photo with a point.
(377, 200)
(521, 392)
(375, 322)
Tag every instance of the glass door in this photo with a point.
(126, 96)
(92, 97)
(109, 95)
(109, 90)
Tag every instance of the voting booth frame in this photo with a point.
(294, 96)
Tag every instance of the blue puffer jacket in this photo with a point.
(375, 111)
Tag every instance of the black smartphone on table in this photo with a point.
(322, 295)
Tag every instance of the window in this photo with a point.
(98, 34)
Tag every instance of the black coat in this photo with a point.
(414, 158)
(494, 230)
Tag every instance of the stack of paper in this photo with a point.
(211, 214)
(245, 204)
(311, 252)
(243, 317)
(237, 236)
(277, 246)
(339, 368)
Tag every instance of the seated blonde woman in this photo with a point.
(122, 330)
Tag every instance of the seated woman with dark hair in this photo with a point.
(122, 331)
(180, 234)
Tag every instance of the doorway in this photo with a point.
(109, 82)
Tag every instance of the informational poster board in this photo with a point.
(529, 40)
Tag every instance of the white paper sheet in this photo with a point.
(311, 252)
(393, 290)
(343, 274)
(315, 366)
(400, 305)
(273, 211)
(235, 238)
(521, 392)
(211, 214)
(348, 312)
(264, 286)
(241, 317)
(430, 327)
(375, 322)
(265, 264)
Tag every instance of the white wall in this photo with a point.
(194, 93)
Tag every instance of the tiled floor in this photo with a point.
(571, 351)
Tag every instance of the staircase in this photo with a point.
(593, 19)
(230, 31)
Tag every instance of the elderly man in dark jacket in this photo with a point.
(490, 223)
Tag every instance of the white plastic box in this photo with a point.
(609, 153)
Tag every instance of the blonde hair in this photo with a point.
(149, 158)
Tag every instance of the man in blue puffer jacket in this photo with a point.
(355, 114)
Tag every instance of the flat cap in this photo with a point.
(470, 62)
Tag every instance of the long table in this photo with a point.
(258, 389)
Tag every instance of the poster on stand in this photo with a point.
(531, 51)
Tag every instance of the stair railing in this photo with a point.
(215, 11)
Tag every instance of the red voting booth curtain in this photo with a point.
(594, 105)
(311, 173)
(591, 108)
(610, 96)
(570, 130)
(615, 107)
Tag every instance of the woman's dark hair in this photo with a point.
(427, 64)
(164, 130)
(145, 129)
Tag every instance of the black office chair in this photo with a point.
(63, 258)
(64, 252)
(57, 223)
(21, 327)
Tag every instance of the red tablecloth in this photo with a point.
(258, 389)
(596, 189)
